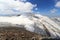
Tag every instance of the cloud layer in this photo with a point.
(15, 6)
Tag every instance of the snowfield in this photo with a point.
(34, 23)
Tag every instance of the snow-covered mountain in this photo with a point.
(34, 23)
(56, 19)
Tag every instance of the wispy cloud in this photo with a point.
(53, 10)
(57, 4)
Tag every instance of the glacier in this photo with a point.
(34, 23)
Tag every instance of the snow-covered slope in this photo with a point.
(35, 23)
(56, 19)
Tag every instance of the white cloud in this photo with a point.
(7, 6)
(57, 4)
(53, 10)
(23, 0)
(36, 8)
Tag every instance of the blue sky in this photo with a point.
(45, 7)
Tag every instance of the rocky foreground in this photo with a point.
(16, 33)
